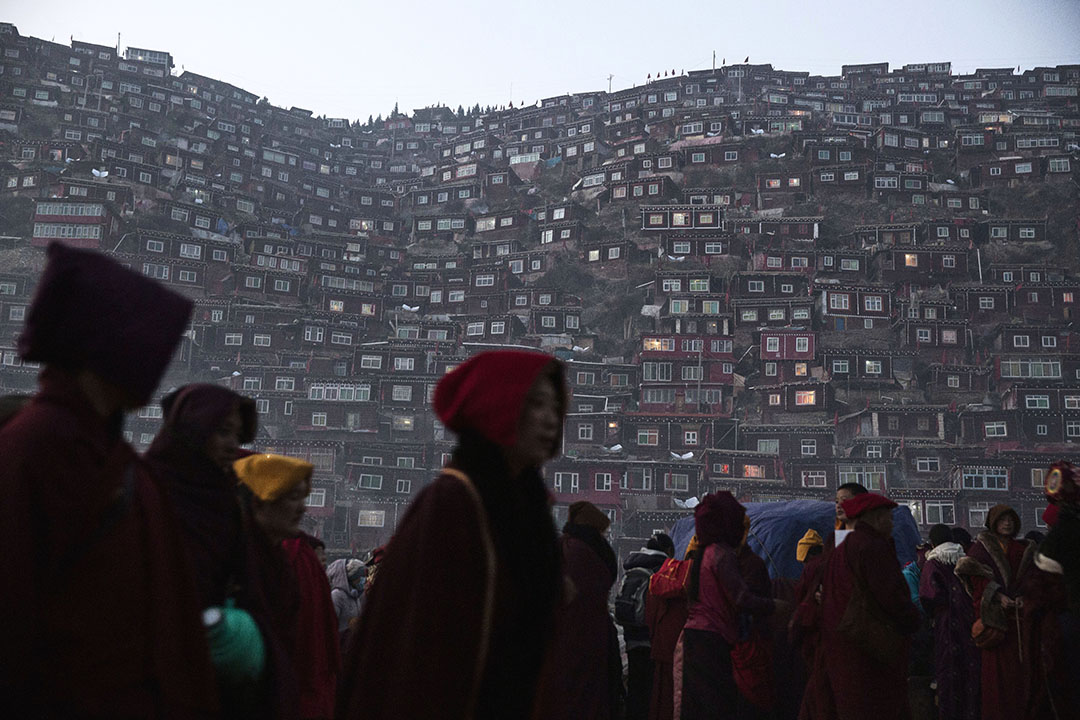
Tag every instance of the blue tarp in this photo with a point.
(776, 528)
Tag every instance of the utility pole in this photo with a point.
(714, 60)
(609, 77)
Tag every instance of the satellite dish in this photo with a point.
(615, 448)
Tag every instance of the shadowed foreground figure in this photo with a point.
(584, 680)
(100, 614)
(192, 457)
(458, 623)
(848, 682)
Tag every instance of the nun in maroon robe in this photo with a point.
(956, 659)
(856, 685)
(998, 571)
(459, 623)
(192, 457)
(100, 611)
(318, 658)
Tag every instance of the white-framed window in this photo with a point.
(805, 397)
(371, 518)
(985, 478)
(402, 393)
(871, 477)
(814, 478)
(602, 482)
(1037, 402)
(676, 482)
(927, 464)
(938, 512)
(809, 447)
(585, 432)
(370, 481)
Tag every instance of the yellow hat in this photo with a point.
(693, 545)
(271, 476)
(809, 540)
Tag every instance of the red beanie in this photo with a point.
(486, 393)
(864, 503)
(1050, 515)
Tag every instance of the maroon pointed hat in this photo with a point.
(864, 503)
(486, 393)
(91, 313)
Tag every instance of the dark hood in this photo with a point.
(996, 514)
(719, 518)
(89, 312)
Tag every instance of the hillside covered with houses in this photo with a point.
(762, 280)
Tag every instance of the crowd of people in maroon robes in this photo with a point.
(178, 584)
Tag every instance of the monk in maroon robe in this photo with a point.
(956, 659)
(859, 686)
(666, 610)
(459, 623)
(318, 658)
(999, 572)
(100, 610)
(192, 458)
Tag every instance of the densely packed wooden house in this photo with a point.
(761, 280)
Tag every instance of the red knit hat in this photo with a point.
(486, 393)
(864, 503)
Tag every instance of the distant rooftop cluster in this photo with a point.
(762, 280)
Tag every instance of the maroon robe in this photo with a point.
(857, 686)
(577, 682)
(993, 569)
(317, 655)
(420, 647)
(93, 627)
(665, 617)
(956, 659)
(229, 555)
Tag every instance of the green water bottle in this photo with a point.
(236, 645)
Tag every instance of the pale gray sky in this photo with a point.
(352, 59)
